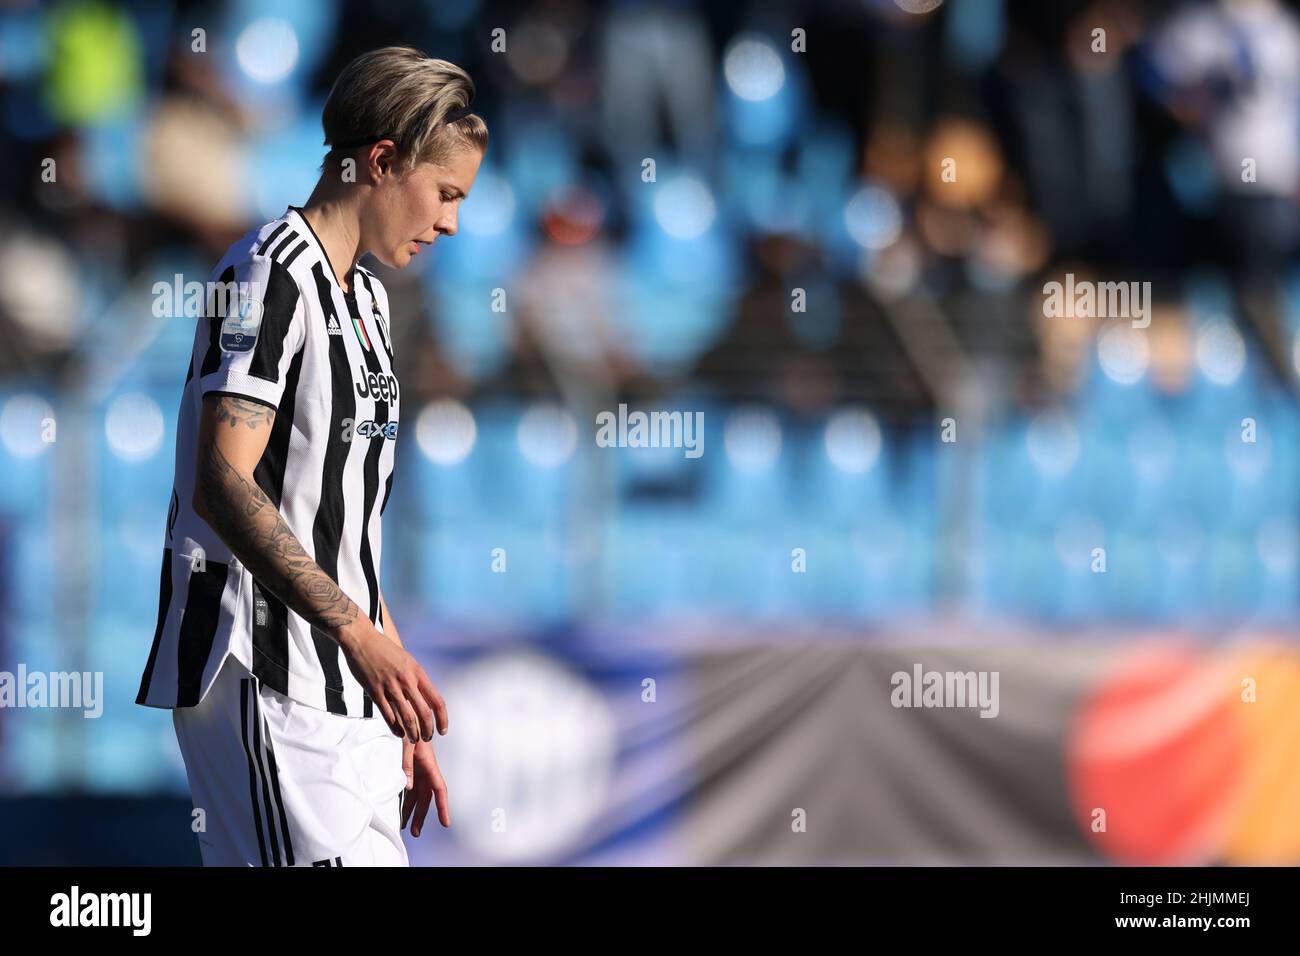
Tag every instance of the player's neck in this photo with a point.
(337, 226)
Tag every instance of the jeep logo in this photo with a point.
(382, 387)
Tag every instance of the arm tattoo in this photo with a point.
(256, 533)
(237, 411)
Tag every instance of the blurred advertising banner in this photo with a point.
(830, 751)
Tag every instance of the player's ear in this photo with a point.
(383, 158)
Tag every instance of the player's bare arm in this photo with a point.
(390, 628)
(233, 433)
(252, 526)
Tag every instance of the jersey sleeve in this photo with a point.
(256, 326)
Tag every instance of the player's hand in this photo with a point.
(396, 682)
(423, 783)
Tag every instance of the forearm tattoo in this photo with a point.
(252, 527)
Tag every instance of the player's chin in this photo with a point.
(406, 254)
(398, 258)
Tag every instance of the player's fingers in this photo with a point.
(408, 804)
(434, 699)
(440, 795)
(421, 811)
(444, 803)
(408, 763)
(406, 716)
(389, 717)
(423, 711)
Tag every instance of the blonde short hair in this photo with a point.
(397, 92)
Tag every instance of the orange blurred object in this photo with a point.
(1267, 828)
(1158, 746)
(970, 156)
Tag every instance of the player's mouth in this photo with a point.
(416, 244)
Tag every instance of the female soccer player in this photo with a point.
(274, 646)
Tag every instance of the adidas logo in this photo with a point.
(334, 328)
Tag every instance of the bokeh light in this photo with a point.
(445, 431)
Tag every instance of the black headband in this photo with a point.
(460, 113)
(451, 117)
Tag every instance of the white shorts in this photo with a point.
(285, 784)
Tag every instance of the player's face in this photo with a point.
(423, 205)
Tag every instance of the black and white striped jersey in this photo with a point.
(288, 336)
